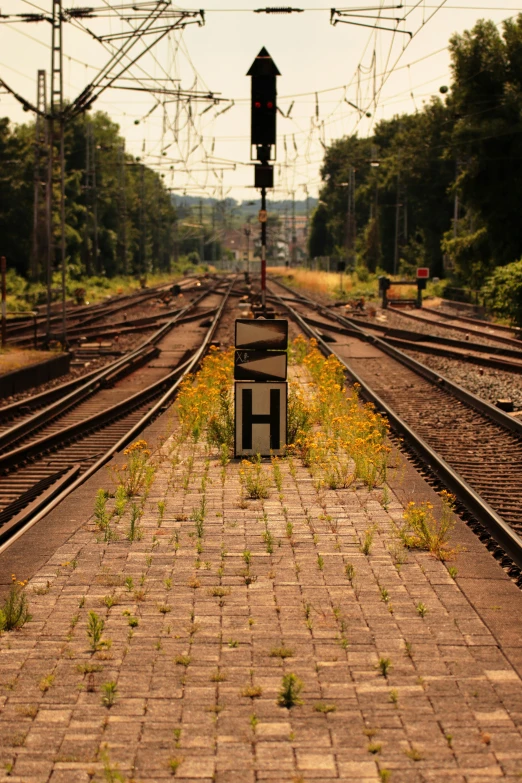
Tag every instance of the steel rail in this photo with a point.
(430, 344)
(514, 341)
(38, 513)
(108, 374)
(506, 421)
(452, 342)
(503, 534)
(77, 312)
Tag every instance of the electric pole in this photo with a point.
(351, 228)
(176, 243)
(156, 19)
(202, 235)
(40, 177)
(294, 236)
(247, 231)
(92, 201)
(456, 201)
(214, 232)
(122, 209)
(397, 225)
(307, 220)
(56, 112)
(143, 241)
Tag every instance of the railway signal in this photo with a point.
(261, 389)
(264, 73)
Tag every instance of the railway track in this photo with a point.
(472, 327)
(52, 451)
(471, 446)
(495, 355)
(15, 415)
(84, 320)
(500, 357)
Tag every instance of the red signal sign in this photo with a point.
(423, 273)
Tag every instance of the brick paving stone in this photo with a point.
(448, 709)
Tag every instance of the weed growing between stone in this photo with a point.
(110, 690)
(420, 529)
(204, 402)
(15, 612)
(178, 537)
(340, 439)
(137, 474)
(255, 480)
(95, 626)
(337, 437)
(291, 687)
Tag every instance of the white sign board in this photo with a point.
(260, 418)
(262, 335)
(260, 365)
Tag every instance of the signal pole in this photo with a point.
(264, 73)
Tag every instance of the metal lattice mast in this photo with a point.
(122, 209)
(56, 132)
(143, 226)
(40, 154)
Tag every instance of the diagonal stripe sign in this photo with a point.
(267, 335)
(260, 365)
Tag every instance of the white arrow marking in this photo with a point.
(272, 365)
(257, 333)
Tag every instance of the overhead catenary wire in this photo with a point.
(363, 90)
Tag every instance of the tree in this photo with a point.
(503, 292)
(411, 168)
(487, 100)
(128, 215)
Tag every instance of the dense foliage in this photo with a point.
(113, 201)
(503, 292)
(467, 143)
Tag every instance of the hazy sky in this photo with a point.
(322, 66)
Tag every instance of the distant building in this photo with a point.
(237, 241)
(300, 226)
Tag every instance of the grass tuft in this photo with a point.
(291, 687)
(281, 652)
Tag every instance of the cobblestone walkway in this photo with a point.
(401, 680)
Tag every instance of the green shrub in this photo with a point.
(502, 292)
(15, 611)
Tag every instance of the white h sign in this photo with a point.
(260, 418)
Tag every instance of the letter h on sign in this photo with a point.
(273, 418)
(262, 432)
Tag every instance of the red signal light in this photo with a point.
(257, 104)
(269, 105)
